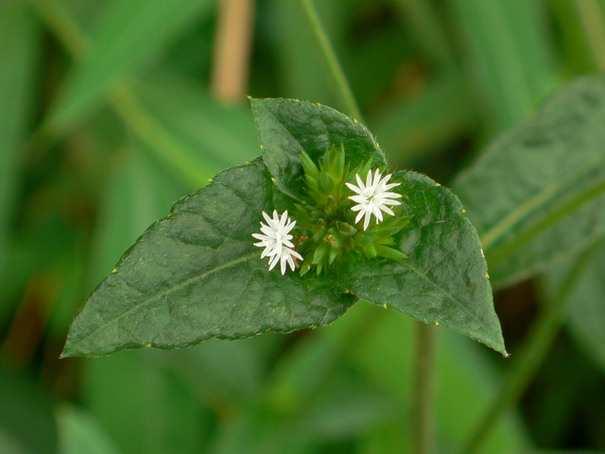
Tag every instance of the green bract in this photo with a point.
(196, 274)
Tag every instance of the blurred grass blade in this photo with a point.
(131, 33)
(18, 53)
(509, 56)
(79, 433)
(585, 299)
(297, 49)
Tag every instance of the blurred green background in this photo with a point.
(109, 111)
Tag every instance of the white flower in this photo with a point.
(373, 197)
(277, 242)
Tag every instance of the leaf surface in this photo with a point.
(287, 127)
(196, 275)
(585, 294)
(444, 279)
(537, 194)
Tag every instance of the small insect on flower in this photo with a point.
(276, 240)
(373, 197)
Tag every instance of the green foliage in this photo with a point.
(128, 88)
(79, 433)
(585, 297)
(26, 421)
(537, 193)
(444, 280)
(202, 250)
(509, 56)
(121, 46)
(144, 407)
(19, 37)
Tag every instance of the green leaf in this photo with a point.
(196, 275)
(444, 279)
(143, 407)
(585, 297)
(19, 38)
(538, 193)
(121, 46)
(80, 433)
(287, 127)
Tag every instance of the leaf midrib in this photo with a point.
(162, 293)
(576, 202)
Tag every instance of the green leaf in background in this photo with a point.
(538, 193)
(144, 408)
(185, 279)
(79, 433)
(444, 279)
(585, 298)
(26, 418)
(18, 53)
(509, 56)
(120, 46)
(287, 127)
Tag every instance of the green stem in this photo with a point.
(530, 358)
(422, 399)
(344, 90)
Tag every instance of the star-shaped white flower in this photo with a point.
(373, 197)
(276, 240)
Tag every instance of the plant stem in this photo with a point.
(232, 49)
(422, 399)
(531, 356)
(344, 90)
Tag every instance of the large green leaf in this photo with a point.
(80, 433)
(195, 275)
(538, 193)
(130, 33)
(444, 279)
(19, 38)
(585, 295)
(287, 127)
